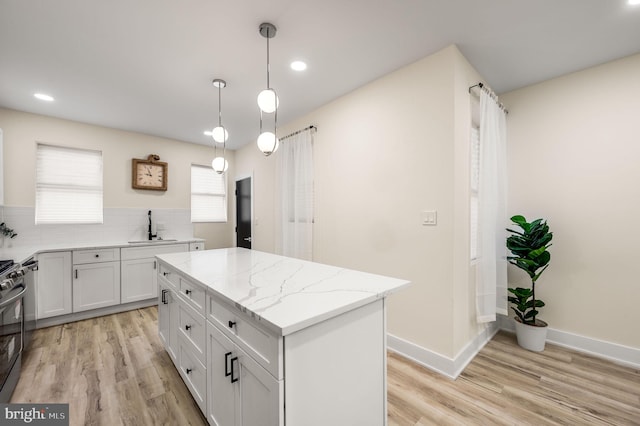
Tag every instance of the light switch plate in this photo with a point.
(429, 218)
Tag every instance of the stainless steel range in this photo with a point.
(17, 320)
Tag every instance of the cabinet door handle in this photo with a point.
(76, 274)
(231, 324)
(187, 327)
(227, 373)
(187, 292)
(235, 358)
(189, 370)
(164, 297)
(166, 273)
(155, 266)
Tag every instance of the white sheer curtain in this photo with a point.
(295, 189)
(491, 269)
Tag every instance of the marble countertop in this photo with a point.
(20, 254)
(284, 293)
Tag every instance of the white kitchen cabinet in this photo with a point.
(168, 319)
(96, 278)
(96, 285)
(196, 246)
(139, 270)
(139, 280)
(53, 284)
(239, 391)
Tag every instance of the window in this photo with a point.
(68, 185)
(208, 195)
(475, 180)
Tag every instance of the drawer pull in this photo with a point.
(164, 297)
(235, 358)
(227, 373)
(187, 292)
(189, 370)
(166, 273)
(231, 324)
(187, 327)
(97, 255)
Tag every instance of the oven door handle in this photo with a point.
(13, 298)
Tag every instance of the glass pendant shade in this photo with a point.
(268, 101)
(268, 143)
(220, 165)
(220, 134)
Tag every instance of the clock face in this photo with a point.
(149, 175)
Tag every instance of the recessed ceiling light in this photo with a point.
(298, 66)
(43, 97)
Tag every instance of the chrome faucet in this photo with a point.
(151, 235)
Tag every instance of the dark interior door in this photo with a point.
(243, 213)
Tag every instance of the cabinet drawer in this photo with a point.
(193, 294)
(95, 256)
(192, 326)
(145, 252)
(194, 374)
(196, 246)
(169, 276)
(260, 343)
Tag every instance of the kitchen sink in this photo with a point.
(152, 241)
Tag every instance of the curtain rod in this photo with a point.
(491, 93)
(312, 127)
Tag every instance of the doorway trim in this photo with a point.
(235, 215)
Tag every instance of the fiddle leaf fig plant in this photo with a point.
(528, 245)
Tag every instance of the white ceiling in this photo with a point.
(147, 65)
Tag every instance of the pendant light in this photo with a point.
(268, 102)
(219, 134)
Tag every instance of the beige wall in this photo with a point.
(574, 159)
(383, 154)
(22, 131)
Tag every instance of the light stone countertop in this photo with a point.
(20, 254)
(283, 293)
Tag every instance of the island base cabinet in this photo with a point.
(240, 392)
(167, 320)
(336, 370)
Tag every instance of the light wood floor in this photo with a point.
(113, 370)
(507, 385)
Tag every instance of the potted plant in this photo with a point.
(529, 249)
(5, 231)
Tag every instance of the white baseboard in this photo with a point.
(614, 352)
(450, 367)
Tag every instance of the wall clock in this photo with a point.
(149, 173)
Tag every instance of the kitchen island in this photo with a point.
(262, 339)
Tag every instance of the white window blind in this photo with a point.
(208, 195)
(474, 184)
(68, 185)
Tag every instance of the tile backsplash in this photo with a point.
(120, 225)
